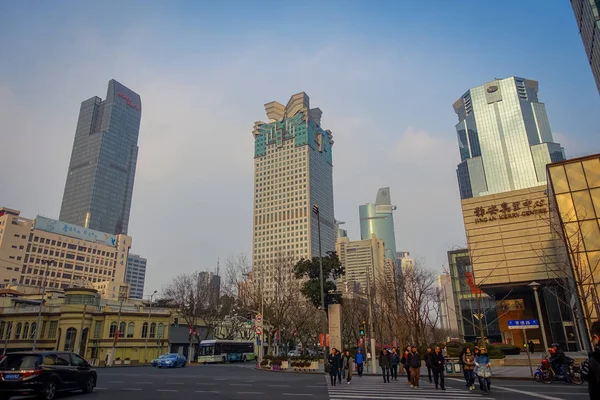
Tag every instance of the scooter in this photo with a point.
(545, 373)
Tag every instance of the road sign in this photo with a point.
(258, 319)
(259, 330)
(523, 324)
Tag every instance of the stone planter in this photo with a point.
(285, 364)
(314, 365)
(127, 362)
(276, 367)
(117, 362)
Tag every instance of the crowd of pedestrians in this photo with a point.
(392, 362)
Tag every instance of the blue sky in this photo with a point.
(385, 75)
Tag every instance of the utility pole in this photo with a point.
(316, 211)
(39, 316)
(148, 329)
(117, 333)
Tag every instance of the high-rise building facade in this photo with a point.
(135, 275)
(363, 260)
(446, 304)
(293, 171)
(212, 284)
(80, 256)
(504, 138)
(99, 185)
(378, 219)
(587, 15)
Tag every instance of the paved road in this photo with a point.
(234, 382)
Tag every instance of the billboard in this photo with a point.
(74, 231)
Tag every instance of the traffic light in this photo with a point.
(95, 343)
(249, 318)
(176, 322)
(362, 331)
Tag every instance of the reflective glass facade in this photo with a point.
(378, 219)
(574, 191)
(135, 275)
(504, 138)
(587, 17)
(293, 171)
(101, 172)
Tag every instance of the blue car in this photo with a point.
(172, 360)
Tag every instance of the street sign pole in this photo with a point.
(527, 350)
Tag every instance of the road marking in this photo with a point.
(206, 391)
(97, 388)
(143, 383)
(131, 389)
(278, 385)
(250, 392)
(115, 381)
(297, 394)
(240, 384)
(205, 383)
(167, 390)
(174, 383)
(541, 396)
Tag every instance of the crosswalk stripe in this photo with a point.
(372, 388)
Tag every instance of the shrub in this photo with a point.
(495, 354)
(276, 361)
(508, 349)
(264, 363)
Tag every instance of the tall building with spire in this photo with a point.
(293, 172)
(504, 138)
(378, 219)
(99, 185)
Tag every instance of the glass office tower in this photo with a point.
(588, 21)
(504, 138)
(378, 219)
(102, 168)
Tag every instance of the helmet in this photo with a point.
(554, 345)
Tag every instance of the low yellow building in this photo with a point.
(79, 320)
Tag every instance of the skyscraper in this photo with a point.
(504, 138)
(102, 168)
(587, 15)
(135, 275)
(378, 219)
(292, 173)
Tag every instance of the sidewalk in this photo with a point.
(498, 372)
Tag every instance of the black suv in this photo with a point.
(44, 373)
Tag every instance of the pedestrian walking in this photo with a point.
(531, 346)
(468, 363)
(404, 362)
(427, 358)
(590, 368)
(347, 365)
(445, 350)
(394, 361)
(438, 363)
(338, 356)
(384, 363)
(414, 362)
(483, 370)
(359, 360)
(335, 366)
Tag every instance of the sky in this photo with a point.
(384, 73)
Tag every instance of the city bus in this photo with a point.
(214, 351)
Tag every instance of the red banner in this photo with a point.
(321, 339)
(327, 339)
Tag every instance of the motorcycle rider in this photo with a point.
(559, 362)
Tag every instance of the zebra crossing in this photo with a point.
(373, 388)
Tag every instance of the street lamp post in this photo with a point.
(534, 285)
(316, 211)
(39, 316)
(148, 328)
(118, 330)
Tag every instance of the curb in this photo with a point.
(512, 378)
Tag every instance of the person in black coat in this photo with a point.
(404, 362)
(394, 360)
(427, 359)
(590, 368)
(438, 364)
(385, 362)
(335, 362)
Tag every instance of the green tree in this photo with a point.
(311, 288)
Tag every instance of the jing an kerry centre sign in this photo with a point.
(509, 210)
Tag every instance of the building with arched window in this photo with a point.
(79, 320)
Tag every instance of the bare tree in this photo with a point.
(191, 295)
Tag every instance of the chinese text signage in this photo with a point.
(523, 324)
(508, 210)
(77, 232)
(130, 103)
